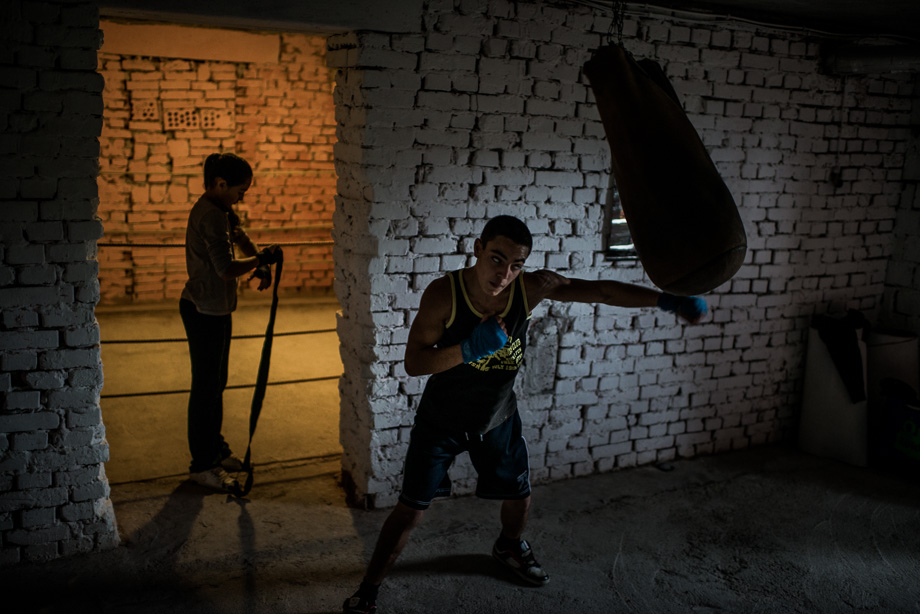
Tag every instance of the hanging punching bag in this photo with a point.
(682, 218)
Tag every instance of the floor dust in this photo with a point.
(763, 530)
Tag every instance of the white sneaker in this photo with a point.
(232, 463)
(215, 478)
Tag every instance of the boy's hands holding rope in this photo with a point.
(267, 256)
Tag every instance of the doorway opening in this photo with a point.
(173, 95)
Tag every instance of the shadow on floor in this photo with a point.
(768, 530)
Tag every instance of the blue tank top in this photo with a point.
(476, 397)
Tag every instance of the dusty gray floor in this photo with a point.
(765, 530)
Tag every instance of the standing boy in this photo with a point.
(469, 335)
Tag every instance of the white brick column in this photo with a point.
(376, 88)
(54, 496)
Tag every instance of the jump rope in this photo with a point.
(258, 396)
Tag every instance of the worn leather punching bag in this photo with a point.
(682, 218)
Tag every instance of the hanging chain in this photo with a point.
(619, 13)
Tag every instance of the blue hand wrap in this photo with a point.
(487, 338)
(690, 307)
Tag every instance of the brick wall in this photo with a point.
(483, 113)
(901, 304)
(487, 112)
(54, 496)
(162, 118)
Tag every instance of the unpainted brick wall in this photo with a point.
(54, 495)
(163, 117)
(487, 112)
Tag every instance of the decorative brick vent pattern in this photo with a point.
(145, 110)
(183, 119)
(217, 119)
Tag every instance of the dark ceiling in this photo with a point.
(867, 18)
(859, 18)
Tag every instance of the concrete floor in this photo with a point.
(765, 530)
(147, 434)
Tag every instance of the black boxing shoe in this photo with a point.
(520, 559)
(357, 604)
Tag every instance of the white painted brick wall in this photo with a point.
(54, 498)
(487, 113)
(901, 302)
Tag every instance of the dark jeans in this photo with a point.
(209, 349)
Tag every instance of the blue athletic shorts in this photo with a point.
(499, 457)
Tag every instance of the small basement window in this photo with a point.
(617, 240)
